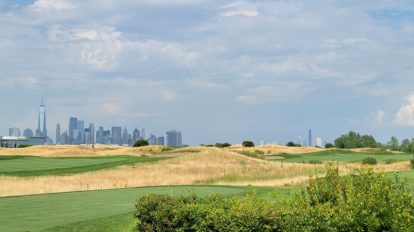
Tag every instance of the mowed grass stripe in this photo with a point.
(39, 212)
(40, 166)
(342, 156)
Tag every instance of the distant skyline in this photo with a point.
(220, 71)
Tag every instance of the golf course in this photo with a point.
(48, 192)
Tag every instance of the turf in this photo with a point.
(40, 212)
(40, 166)
(342, 156)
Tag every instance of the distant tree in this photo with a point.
(222, 145)
(393, 144)
(355, 140)
(291, 144)
(248, 143)
(141, 143)
(329, 145)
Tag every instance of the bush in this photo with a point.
(329, 145)
(412, 163)
(292, 144)
(24, 145)
(370, 160)
(248, 144)
(222, 145)
(366, 201)
(141, 143)
(167, 148)
(314, 161)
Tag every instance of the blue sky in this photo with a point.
(217, 70)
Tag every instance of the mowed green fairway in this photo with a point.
(38, 166)
(39, 212)
(342, 156)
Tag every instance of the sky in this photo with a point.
(219, 71)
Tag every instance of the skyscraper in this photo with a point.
(28, 133)
(152, 139)
(160, 141)
(99, 135)
(136, 135)
(116, 135)
(58, 141)
(41, 124)
(143, 133)
(14, 131)
(310, 138)
(73, 123)
(174, 138)
(81, 132)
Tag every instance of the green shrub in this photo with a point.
(141, 143)
(314, 161)
(248, 144)
(222, 145)
(370, 160)
(365, 201)
(24, 145)
(167, 148)
(329, 145)
(412, 163)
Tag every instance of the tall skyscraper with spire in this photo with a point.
(41, 124)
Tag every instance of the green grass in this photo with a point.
(39, 166)
(92, 210)
(342, 156)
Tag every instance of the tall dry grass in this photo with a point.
(80, 151)
(276, 149)
(194, 168)
(212, 166)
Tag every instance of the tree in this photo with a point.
(291, 144)
(248, 143)
(355, 140)
(222, 145)
(394, 144)
(329, 145)
(141, 143)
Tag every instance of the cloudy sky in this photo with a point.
(217, 70)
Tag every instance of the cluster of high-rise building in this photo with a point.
(117, 135)
(77, 133)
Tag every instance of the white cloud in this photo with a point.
(168, 95)
(405, 116)
(51, 5)
(280, 92)
(379, 115)
(110, 108)
(241, 12)
(99, 47)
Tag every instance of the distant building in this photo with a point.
(90, 134)
(41, 124)
(319, 142)
(174, 138)
(64, 138)
(116, 137)
(106, 139)
(80, 126)
(160, 141)
(99, 135)
(143, 133)
(14, 131)
(126, 137)
(28, 132)
(136, 135)
(73, 123)
(152, 140)
(58, 140)
(310, 138)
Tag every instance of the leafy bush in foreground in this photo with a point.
(364, 202)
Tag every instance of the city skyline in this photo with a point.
(218, 70)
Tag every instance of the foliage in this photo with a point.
(254, 154)
(222, 145)
(292, 144)
(141, 143)
(329, 145)
(355, 140)
(248, 143)
(24, 145)
(314, 161)
(370, 160)
(366, 201)
(167, 148)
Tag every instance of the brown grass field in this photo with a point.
(197, 166)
